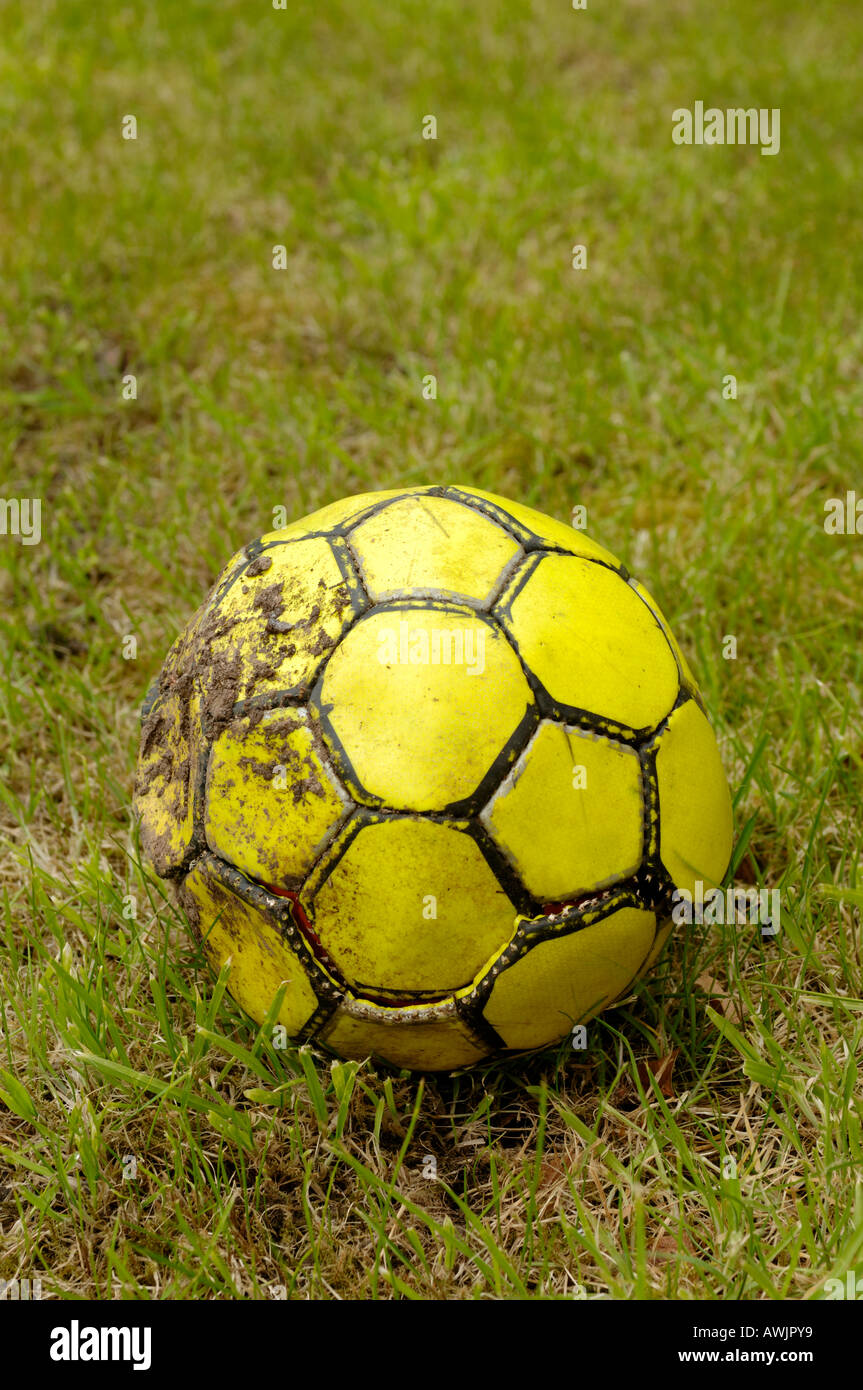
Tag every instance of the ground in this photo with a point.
(708, 1142)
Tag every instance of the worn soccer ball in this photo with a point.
(426, 768)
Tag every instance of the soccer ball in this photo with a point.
(426, 768)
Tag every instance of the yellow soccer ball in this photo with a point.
(431, 764)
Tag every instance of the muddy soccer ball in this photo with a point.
(426, 768)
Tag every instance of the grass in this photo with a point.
(708, 1143)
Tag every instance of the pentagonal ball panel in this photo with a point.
(411, 904)
(570, 814)
(417, 704)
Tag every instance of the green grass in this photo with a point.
(151, 1142)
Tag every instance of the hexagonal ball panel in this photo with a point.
(409, 729)
(696, 830)
(409, 1037)
(272, 628)
(570, 814)
(592, 642)
(685, 670)
(232, 929)
(410, 905)
(429, 544)
(568, 979)
(342, 513)
(167, 776)
(271, 801)
(169, 759)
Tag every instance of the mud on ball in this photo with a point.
(433, 764)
